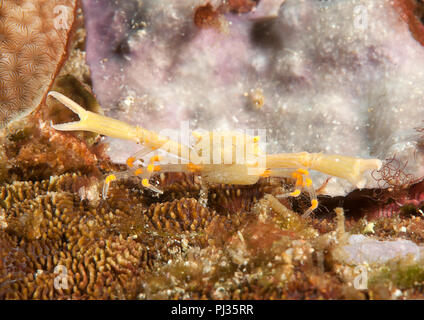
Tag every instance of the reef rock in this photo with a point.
(362, 249)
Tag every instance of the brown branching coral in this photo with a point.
(179, 215)
(57, 243)
(57, 228)
(105, 248)
(33, 41)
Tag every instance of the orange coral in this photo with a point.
(38, 152)
(33, 41)
(207, 17)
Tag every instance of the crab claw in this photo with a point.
(90, 121)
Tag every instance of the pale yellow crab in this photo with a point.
(226, 158)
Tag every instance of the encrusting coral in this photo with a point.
(34, 38)
(58, 242)
(53, 228)
(106, 248)
(35, 152)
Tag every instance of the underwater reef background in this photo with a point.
(337, 76)
(60, 240)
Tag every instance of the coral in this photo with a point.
(52, 228)
(136, 245)
(33, 41)
(412, 11)
(34, 151)
(179, 215)
(105, 249)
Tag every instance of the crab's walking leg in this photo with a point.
(142, 172)
(138, 156)
(303, 182)
(349, 168)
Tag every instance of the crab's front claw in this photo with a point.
(349, 168)
(93, 122)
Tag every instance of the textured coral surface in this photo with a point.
(242, 245)
(321, 76)
(33, 42)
